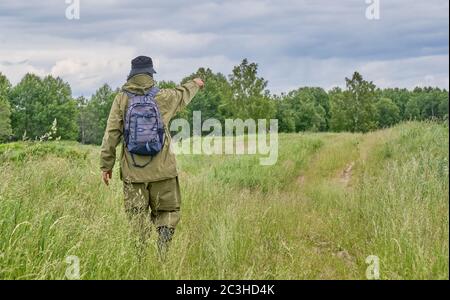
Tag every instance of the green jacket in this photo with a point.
(163, 165)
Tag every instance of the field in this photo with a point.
(331, 201)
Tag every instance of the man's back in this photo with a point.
(163, 165)
(150, 183)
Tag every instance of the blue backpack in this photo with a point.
(144, 129)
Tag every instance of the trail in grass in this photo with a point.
(323, 188)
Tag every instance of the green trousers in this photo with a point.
(153, 202)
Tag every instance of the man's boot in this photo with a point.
(165, 236)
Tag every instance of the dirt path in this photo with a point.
(346, 174)
(329, 171)
(325, 187)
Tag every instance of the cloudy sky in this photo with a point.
(295, 42)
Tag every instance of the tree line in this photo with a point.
(29, 109)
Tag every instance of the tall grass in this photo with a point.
(304, 218)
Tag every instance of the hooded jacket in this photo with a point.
(163, 165)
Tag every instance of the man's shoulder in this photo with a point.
(121, 99)
(122, 95)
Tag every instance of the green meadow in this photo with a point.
(331, 201)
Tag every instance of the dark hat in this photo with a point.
(141, 65)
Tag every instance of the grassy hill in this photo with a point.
(331, 201)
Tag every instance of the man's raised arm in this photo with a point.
(177, 98)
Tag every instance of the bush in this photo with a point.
(26, 151)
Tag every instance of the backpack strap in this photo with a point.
(140, 166)
(152, 92)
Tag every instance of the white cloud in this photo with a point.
(295, 42)
(410, 72)
(172, 42)
(291, 74)
(177, 68)
(14, 72)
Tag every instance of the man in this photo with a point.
(151, 188)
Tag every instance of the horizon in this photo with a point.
(342, 86)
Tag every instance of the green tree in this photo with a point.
(5, 109)
(354, 109)
(413, 109)
(5, 120)
(309, 108)
(322, 102)
(388, 113)
(427, 103)
(435, 101)
(94, 115)
(37, 102)
(400, 97)
(285, 114)
(166, 84)
(211, 100)
(60, 106)
(250, 98)
(5, 86)
(82, 120)
(339, 107)
(443, 106)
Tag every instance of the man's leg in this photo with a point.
(165, 201)
(137, 203)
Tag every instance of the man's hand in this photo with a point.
(199, 82)
(106, 176)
